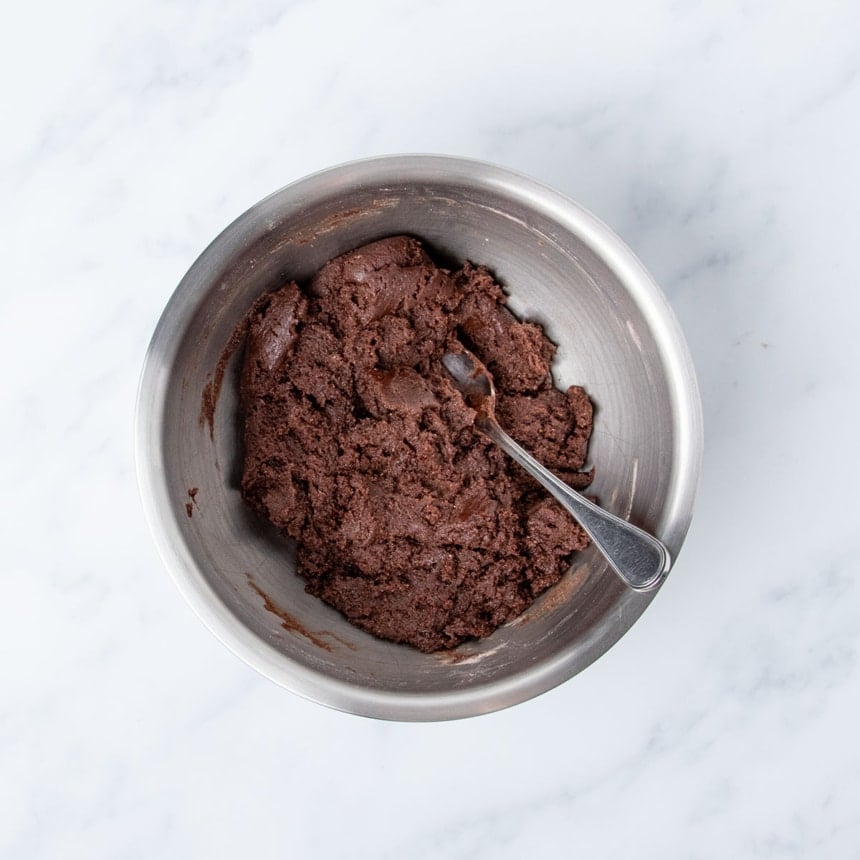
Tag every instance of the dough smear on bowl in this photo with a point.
(408, 520)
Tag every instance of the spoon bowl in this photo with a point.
(640, 559)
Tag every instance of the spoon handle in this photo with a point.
(636, 556)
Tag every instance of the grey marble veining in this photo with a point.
(720, 140)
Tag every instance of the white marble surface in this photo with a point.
(721, 140)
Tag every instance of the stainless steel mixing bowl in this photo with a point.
(563, 268)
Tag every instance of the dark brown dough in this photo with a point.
(408, 521)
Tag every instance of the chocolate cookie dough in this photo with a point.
(410, 522)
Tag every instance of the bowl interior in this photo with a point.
(561, 268)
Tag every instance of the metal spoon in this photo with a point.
(636, 556)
